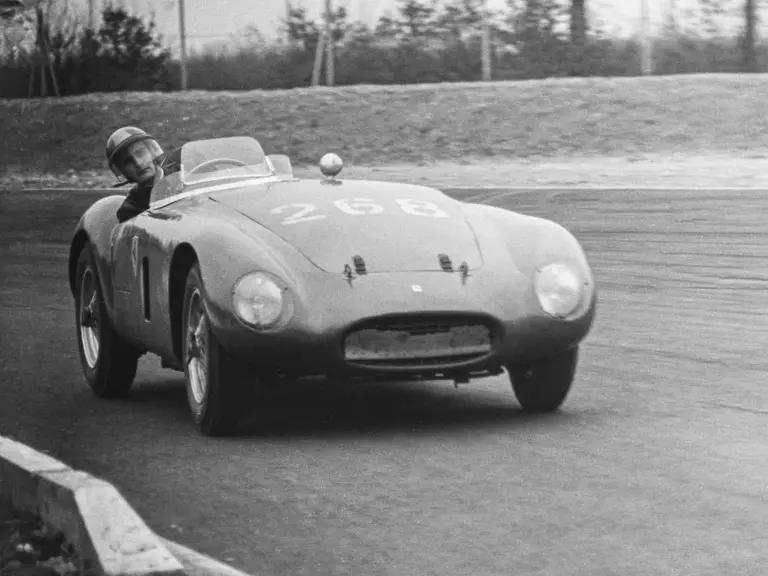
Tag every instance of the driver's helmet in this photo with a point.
(119, 148)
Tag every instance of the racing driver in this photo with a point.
(134, 155)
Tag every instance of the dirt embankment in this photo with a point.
(674, 130)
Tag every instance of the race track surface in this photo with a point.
(656, 465)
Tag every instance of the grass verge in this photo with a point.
(510, 127)
(28, 548)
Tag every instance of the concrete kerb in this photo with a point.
(109, 536)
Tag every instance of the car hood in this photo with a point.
(391, 227)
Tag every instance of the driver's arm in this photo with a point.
(128, 209)
(135, 203)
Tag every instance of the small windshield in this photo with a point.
(223, 159)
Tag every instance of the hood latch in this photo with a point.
(359, 265)
(445, 262)
(360, 268)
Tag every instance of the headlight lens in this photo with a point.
(258, 300)
(560, 290)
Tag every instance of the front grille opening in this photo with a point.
(417, 342)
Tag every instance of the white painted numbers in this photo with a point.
(421, 208)
(301, 215)
(359, 207)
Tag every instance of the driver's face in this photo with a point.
(137, 163)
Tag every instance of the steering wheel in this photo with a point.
(208, 163)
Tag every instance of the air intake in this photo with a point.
(445, 262)
(418, 340)
(359, 265)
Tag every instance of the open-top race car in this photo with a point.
(241, 275)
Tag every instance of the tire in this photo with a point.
(543, 386)
(109, 363)
(218, 385)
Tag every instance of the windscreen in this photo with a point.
(223, 159)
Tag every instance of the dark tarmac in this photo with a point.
(655, 466)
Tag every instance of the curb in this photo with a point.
(197, 564)
(111, 539)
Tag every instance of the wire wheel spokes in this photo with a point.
(196, 347)
(89, 318)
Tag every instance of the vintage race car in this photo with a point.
(241, 275)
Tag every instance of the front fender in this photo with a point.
(227, 251)
(96, 226)
(532, 243)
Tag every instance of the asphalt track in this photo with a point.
(655, 466)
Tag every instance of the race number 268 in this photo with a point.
(304, 212)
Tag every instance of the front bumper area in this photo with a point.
(297, 354)
(313, 342)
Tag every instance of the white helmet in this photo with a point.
(121, 139)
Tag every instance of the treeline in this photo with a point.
(459, 62)
(124, 53)
(420, 45)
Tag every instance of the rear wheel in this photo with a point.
(542, 386)
(217, 384)
(108, 362)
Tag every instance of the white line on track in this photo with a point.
(487, 189)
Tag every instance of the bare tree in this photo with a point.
(750, 24)
(578, 36)
(578, 22)
(16, 29)
(57, 30)
(53, 29)
(709, 17)
(417, 17)
(9, 8)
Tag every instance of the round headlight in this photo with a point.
(258, 300)
(560, 290)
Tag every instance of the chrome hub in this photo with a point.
(90, 335)
(195, 356)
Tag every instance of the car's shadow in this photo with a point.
(332, 408)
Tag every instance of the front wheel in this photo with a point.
(543, 385)
(109, 363)
(217, 384)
